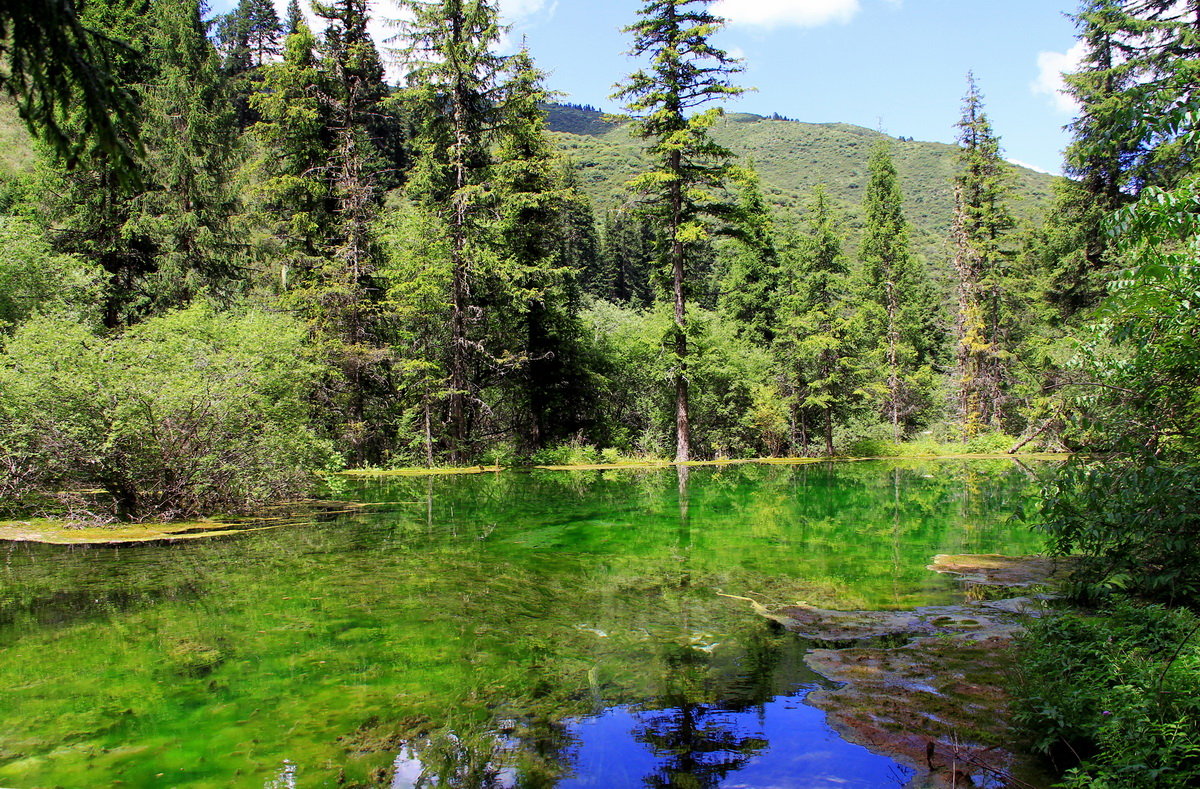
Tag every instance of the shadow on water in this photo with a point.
(542, 629)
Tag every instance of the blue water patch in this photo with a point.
(780, 744)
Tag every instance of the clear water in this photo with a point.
(540, 629)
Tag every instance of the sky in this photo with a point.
(895, 65)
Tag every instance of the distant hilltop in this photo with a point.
(792, 157)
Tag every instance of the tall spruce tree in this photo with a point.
(981, 219)
(191, 156)
(685, 72)
(343, 300)
(163, 236)
(90, 200)
(536, 287)
(1141, 62)
(748, 288)
(622, 270)
(816, 344)
(889, 282)
(454, 90)
(249, 37)
(294, 18)
(293, 197)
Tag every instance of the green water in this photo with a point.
(515, 629)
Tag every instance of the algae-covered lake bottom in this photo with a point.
(532, 629)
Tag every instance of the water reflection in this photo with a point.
(781, 743)
(542, 629)
(722, 714)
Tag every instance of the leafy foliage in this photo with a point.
(33, 277)
(1120, 691)
(192, 412)
(1142, 536)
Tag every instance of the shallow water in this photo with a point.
(534, 629)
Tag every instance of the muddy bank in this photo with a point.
(927, 686)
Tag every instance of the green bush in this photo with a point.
(33, 277)
(189, 413)
(1131, 526)
(573, 453)
(989, 444)
(1120, 692)
(873, 448)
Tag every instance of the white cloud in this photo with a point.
(786, 13)
(1051, 67)
(1028, 166)
(518, 11)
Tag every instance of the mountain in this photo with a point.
(791, 158)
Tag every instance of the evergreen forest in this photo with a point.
(341, 272)
(234, 257)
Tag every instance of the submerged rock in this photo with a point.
(927, 686)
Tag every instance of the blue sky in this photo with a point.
(899, 65)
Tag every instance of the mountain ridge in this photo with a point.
(792, 157)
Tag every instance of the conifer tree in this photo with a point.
(818, 322)
(343, 298)
(294, 196)
(190, 197)
(981, 219)
(889, 282)
(294, 18)
(454, 92)
(685, 72)
(748, 290)
(1141, 61)
(161, 235)
(249, 38)
(536, 286)
(622, 271)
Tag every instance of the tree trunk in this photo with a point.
(683, 439)
(893, 367)
(829, 430)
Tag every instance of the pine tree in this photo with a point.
(816, 344)
(343, 297)
(622, 271)
(162, 236)
(453, 93)
(981, 219)
(294, 19)
(748, 287)
(890, 282)
(190, 197)
(295, 199)
(1141, 61)
(248, 38)
(537, 288)
(686, 71)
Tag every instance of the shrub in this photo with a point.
(1119, 691)
(192, 412)
(32, 276)
(1132, 526)
(990, 444)
(573, 453)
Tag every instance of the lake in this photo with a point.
(513, 629)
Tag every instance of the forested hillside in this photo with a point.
(792, 157)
